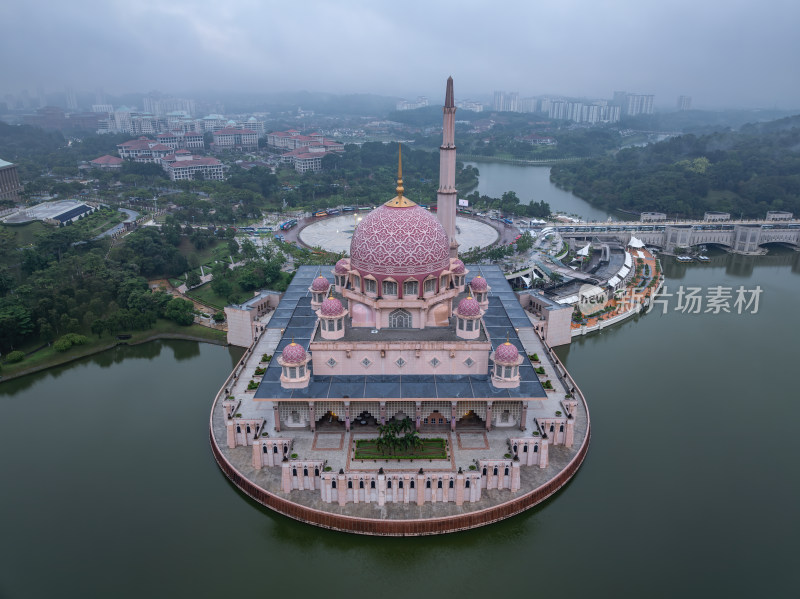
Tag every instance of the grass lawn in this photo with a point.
(205, 294)
(206, 255)
(25, 235)
(48, 356)
(432, 449)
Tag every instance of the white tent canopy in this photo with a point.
(635, 242)
(584, 251)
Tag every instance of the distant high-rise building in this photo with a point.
(636, 104)
(161, 106)
(684, 103)
(72, 100)
(421, 102)
(506, 102)
(528, 104)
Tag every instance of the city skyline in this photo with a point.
(578, 49)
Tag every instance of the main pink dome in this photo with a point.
(331, 307)
(320, 284)
(479, 284)
(506, 354)
(293, 354)
(469, 306)
(400, 242)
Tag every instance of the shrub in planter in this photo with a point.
(264, 357)
(506, 455)
(294, 456)
(558, 412)
(252, 385)
(260, 371)
(547, 384)
(327, 468)
(472, 467)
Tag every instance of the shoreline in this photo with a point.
(102, 348)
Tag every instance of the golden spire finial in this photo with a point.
(400, 189)
(400, 201)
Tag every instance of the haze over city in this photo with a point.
(724, 54)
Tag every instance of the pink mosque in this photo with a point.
(400, 329)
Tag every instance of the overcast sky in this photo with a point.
(723, 53)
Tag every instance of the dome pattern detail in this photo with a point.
(341, 267)
(331, 307)
(320, 284)
(293, 354)
(479, 284)
(469, 306)
(506, 354)
(458, 267)
(400, 242)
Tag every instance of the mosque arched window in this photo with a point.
(356, 283)
(389, 288)
(400, 319)
(429, 286)
(370, 286)
(411, 289)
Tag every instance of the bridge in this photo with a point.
(745, 237)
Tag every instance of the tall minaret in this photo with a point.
(447, 196)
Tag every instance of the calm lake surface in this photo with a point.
(533, 183)
(690, 487)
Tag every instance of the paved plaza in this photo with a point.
(334, 234)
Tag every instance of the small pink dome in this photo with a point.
(469, 306)
(506, 354)
(331, 307)
(293, 354)
(320, 284)
(341, 267)
(458, 267)
(479, 284)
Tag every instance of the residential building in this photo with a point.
(232, 138)
(183, 166)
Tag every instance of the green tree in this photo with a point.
(180, 311)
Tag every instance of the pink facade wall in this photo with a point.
(417, 357)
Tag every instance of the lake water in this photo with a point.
(532, 183)
(690, 487)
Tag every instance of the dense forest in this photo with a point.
(745, 172)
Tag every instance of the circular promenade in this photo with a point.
(334, 233)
